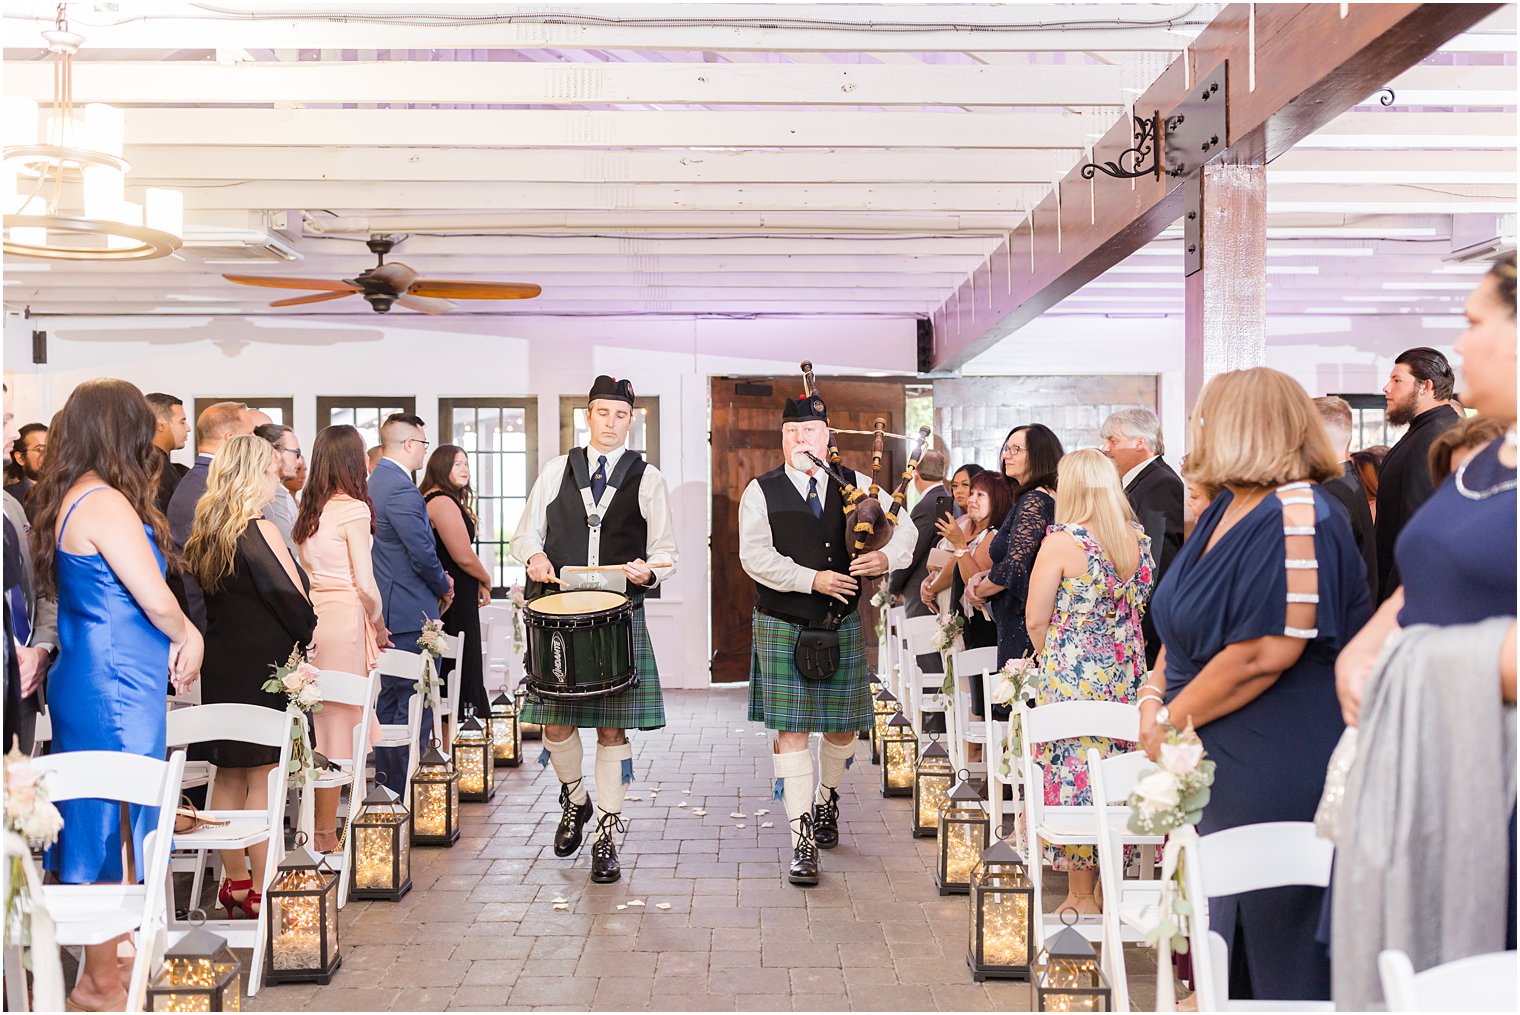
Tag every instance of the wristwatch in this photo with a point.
(963, 551)
(1163, 717)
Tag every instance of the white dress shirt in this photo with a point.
(768, 566)
(1129, 477)
(654, 504)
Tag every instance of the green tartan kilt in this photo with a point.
(640, 708)
(784, 701)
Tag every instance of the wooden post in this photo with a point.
(1227, 297)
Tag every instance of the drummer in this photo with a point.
(792, 542)
(600, 503)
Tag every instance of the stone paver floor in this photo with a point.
(479, 931)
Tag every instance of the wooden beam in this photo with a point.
(1226, 298)
(1310, 63)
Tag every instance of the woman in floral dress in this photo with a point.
(1087, 594)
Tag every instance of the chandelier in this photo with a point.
(63, 187)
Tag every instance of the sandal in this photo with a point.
(231, 903)
(117, 1002)
(188, 819)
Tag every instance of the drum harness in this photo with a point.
(581, 471)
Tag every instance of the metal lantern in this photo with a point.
(199, 973)
(382, 847)
(435, 799)
(302, 903)
(874, 685)
(1067, 975)
(899, 747)
(883, 705)
(506, 731)
(1002, 915)
(931, 787)
(963, 834)
(474, 758)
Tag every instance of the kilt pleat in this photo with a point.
(641, 708)
(786, 702)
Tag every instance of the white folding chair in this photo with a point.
(923, 688)
(994, 749)
(892, 674)
(446, 715)
(970, 667)
(42, 735)
(1476, 983)
(247, 724)
(37, 959)
(1247, 858)
(493, 662)
(95, 914)
(408, 666)
(342, 688)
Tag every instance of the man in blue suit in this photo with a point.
(413, 584)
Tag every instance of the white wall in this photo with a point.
(463, 357)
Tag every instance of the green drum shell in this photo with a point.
(594, 652)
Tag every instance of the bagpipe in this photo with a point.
(864, 516)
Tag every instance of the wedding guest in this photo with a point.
(960, 485)
(288, 456)
(1088, 591)
(1457, 556)
(296, 481)
(413, 584)
(257, 612)
(1132, 441)
(100, 550)
(451, 509)
(1450, 451)
(1418, 391)
(171, 430)
(1335, 417)
(1031, 454)
(934, 499)
(216, 424)
(334, 537)
(960, 489)
(31, 623)
(26, 457)
(372, 457)
(1368, 462)
(969, 540)
(1265, 592)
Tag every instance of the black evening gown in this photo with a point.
(252, 623)
(463, 618)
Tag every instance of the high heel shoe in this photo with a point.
(233, 905)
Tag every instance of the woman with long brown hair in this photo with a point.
(450, 505)
(100, 547)
(333, 532)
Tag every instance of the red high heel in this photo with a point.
(233, 905)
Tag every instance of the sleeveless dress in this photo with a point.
(108, 691)
(1013, 550)
(463, 618)
(1094, 651)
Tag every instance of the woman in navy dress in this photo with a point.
(1251, 615)
(122, 637)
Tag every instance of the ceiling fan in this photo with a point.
(387, 284)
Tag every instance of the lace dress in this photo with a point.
(1013, 551)
(1094, 651)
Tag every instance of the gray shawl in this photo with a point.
(1423, 855)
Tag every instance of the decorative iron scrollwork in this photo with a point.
(1145, 148)
(1387, 97)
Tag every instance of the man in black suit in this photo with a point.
(31, 624)
(1335, 413)
(171, 429)
(213, 427)
(933, 496)
(1418, 390)
(1132, 441)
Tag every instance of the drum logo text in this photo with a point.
(557, 654)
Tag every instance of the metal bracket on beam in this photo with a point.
(1192, 224)
(1147, 146)
(1197, 131)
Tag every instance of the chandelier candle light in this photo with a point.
(382, 847)
(200, 973)
(474, 755)
(435, 799)
(64, 187)
(1002, 915)
(931, 787)
(963, 833)
(899, 746)
(302, 903)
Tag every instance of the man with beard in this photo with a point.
(1418, 391)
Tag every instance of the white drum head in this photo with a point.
(577, 603)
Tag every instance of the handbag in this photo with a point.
(188, 819)
(817, 651)
(1332, 802)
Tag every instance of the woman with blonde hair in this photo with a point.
(257, 611)
(1251, 614)
(1087, 596)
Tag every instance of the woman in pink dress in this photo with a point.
(333, 532)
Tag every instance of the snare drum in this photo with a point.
(580, 645)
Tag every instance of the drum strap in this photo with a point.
(581, 472)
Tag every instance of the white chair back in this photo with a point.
(343, 688)
(970, 667)
(406, 665)
(395, 662)
(918, 639)
(1064, 720)
(893, 665)
(1477, 983)
(247, 724)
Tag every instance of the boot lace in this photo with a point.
(602, 848)
(807, 849)
(828, 812)
(569, 805)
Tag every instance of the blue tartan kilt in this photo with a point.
(784, 701)
(639, 708)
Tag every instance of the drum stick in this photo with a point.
(605, 567)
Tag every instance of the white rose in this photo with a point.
(1181, 759)
(310, 695)
(1158, 791)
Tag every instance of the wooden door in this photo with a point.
(746, 442)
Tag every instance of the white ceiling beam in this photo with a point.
(1455, 85)
(481, 128)
(1360, 165)
(1390, 198)
(740, 307)
(524, 165)
(1397, 130)
(471, 266)
(778, 244)
(928, 283)
(817, 28)
(511, 83)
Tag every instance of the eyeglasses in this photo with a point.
(417, 440)
(294, 451)
(1013, 449)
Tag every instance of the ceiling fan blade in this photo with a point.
(396, 276)
(313, 298)
(286, 282)
(424, 304)
(460, 290)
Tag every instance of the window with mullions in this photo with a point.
(279, 410)
(643, 436)
(497, 434)
(364, 412)
(1369, 422)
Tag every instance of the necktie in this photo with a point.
(599, 478)
(814, 504)
(15, 596)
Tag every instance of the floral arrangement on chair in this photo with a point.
(945, 637)
(518, 600)
(882, 600)
(431, 642)
(31, 822)
(1016, 683)
(298, 680)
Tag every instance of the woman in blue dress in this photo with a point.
(1251, 615)
(99, 546)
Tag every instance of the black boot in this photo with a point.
(826, 821)
(604, 859)
(567, 837)
(803, 869)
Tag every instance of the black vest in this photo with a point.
(625, 533)
(818, 543)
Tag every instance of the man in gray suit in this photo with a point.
(933, 499)
(32, 623)
(213, 427)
